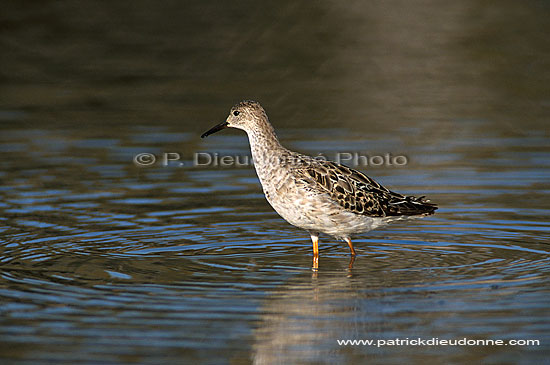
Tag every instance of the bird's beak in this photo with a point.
(215, 129)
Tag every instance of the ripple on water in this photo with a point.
(236, 245)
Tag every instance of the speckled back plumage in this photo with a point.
(358, 193)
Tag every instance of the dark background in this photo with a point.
(184, 63)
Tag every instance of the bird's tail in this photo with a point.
(410, 205)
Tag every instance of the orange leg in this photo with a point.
(315, 240)
(348, 240)
(351, 261)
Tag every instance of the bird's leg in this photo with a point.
(348, 240)
(315, 240)
(351, 261)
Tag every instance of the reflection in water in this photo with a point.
(131, 264)
(302, 321)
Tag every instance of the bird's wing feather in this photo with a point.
(356, 192)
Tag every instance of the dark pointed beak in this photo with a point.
(214, 129)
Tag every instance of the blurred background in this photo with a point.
(103, 260)
(377, 63)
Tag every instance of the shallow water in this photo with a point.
(104, 260)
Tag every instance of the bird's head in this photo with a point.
(246, 115)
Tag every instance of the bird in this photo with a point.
(318, 195)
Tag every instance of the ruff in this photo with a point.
(316, 195)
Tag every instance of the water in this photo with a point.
(104, 260)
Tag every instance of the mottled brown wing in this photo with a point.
(360, 194)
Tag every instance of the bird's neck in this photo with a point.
(265, 147)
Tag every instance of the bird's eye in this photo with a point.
(236, 112)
